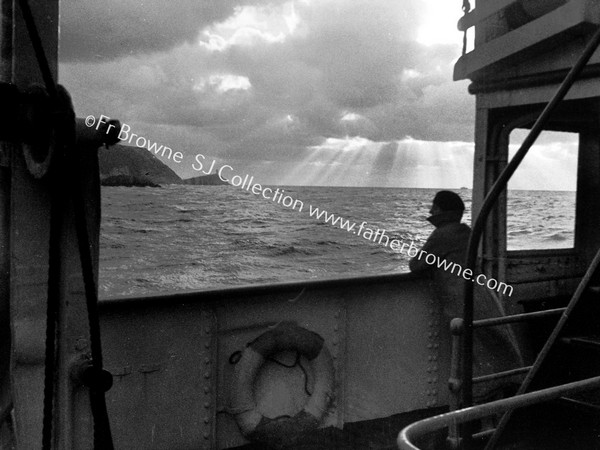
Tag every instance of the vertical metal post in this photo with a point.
(6, 18)
(29, 234)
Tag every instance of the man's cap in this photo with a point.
(448, 201)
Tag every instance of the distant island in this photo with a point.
(122, 165)
(206, 180)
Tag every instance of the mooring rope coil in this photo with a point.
(97, 379)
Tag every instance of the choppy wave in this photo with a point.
(558, 237)
(191, 237)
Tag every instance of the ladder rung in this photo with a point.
(498, 375)
(517, 318)
(485, 434)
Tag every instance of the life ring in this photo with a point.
(51, 130)
(285, 336)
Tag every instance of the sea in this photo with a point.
(178, 238)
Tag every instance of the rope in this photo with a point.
(56, 214)
(99, 381)
(237, 355)
(297, 363)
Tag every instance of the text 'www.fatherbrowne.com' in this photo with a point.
(379, 236)
(246, 182)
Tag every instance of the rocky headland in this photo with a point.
(122, 165)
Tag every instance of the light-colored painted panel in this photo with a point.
(396, 338)
(390, 351)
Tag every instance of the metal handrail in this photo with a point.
(500, 375)
(505, 320)
(482, 12)
(425, 426)
(457, 330)
(545, 351)
(457, 325)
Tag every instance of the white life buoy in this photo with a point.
(285, 336)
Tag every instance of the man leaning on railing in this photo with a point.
(494, 348)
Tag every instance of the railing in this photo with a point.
(457, 330)
(219, 293)
(498, 45)
(545, 351)
(419, 429)
(482, 12)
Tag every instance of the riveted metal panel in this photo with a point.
(338, 353)
(385, 335)
(162, 360)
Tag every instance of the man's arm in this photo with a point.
(417, 263)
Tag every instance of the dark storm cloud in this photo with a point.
(350, 69)
(365, 63)
(96, 31)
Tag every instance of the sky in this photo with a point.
(293, 92)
